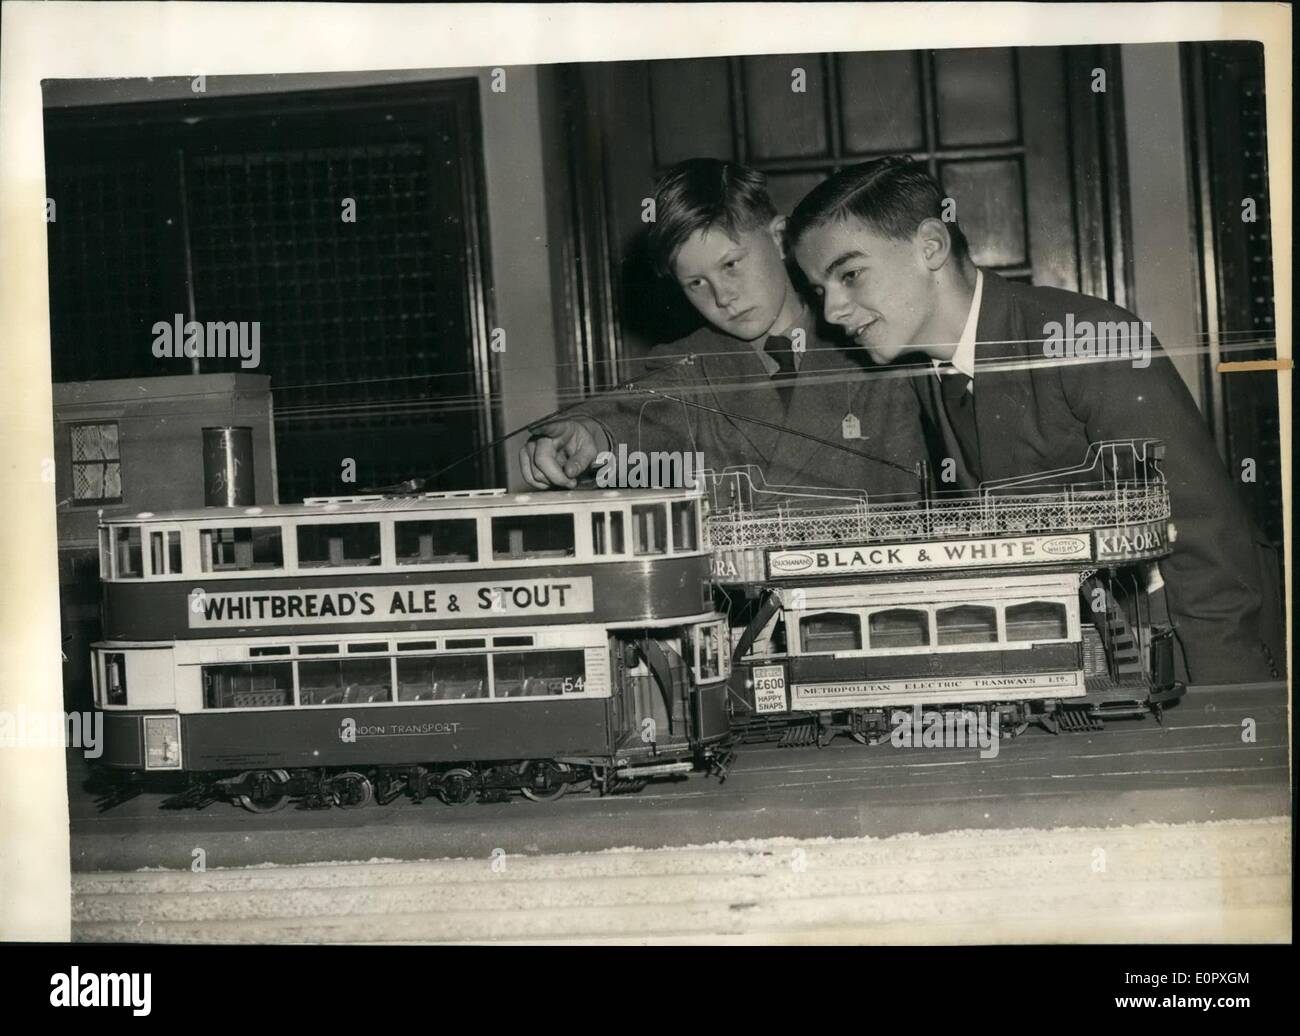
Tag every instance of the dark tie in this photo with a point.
(959, 404)
(781, 349)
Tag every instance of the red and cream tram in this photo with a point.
(1028, 598)
(461, 645)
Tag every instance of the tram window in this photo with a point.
(336, 545)
(165, 549)
(252, 685)
(966, 624)
(711, 648)
(532, 536)
(105, 554)
(830, 631)
(526, 641)
(344, 681)
(127, 550)
(466, 642)
(649, 529)
(529, 674)
(258, 652)
(684, 537)
(899, 628)
(370, 646)
(607, 533)
(318, 649)
(418, 645)
(449, 541)
(1037, 620)
(241, 548)
(445, 678)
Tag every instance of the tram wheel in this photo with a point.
(457, 787)
(551, 792)
(351, 790)
(269, 794)
(868, 739)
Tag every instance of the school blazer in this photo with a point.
(726, 374)
(1044, 417)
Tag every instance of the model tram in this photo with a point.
(476, 644)
(1029, 598)
(457, 645)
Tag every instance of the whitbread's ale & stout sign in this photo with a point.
(362, 604)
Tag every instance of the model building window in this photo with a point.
(96, 464)
(326, 546)
(830, 631)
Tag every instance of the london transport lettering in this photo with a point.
(910, 557)
(445, 602)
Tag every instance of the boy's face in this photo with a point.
(881, 291)
(738, 285)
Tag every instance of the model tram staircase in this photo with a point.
(1120, 636)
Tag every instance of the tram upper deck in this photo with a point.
(446, 559)
(1112, 509)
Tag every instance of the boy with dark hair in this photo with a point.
(897, 279)
(759, 360)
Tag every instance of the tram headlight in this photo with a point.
(162, 742)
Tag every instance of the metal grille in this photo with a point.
(108, 279)
(1066, 511)
(354, 317)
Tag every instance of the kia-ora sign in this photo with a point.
(874, 559)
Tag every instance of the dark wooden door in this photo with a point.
(1017, 136)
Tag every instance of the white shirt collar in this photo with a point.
(963, 359)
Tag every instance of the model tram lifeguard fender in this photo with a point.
(445, 643)
(1029, 597)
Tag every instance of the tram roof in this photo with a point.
(470, 500)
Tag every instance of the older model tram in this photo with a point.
(1029, 598)
(460, 645)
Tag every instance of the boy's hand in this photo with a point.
(560, 451)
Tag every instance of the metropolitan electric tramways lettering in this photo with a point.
(386, 603)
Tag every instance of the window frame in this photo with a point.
(74, 464)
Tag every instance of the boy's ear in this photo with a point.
(935, 242)
(776, 228)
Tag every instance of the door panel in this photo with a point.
(995, 126)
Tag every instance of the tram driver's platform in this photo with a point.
(1220, 754)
